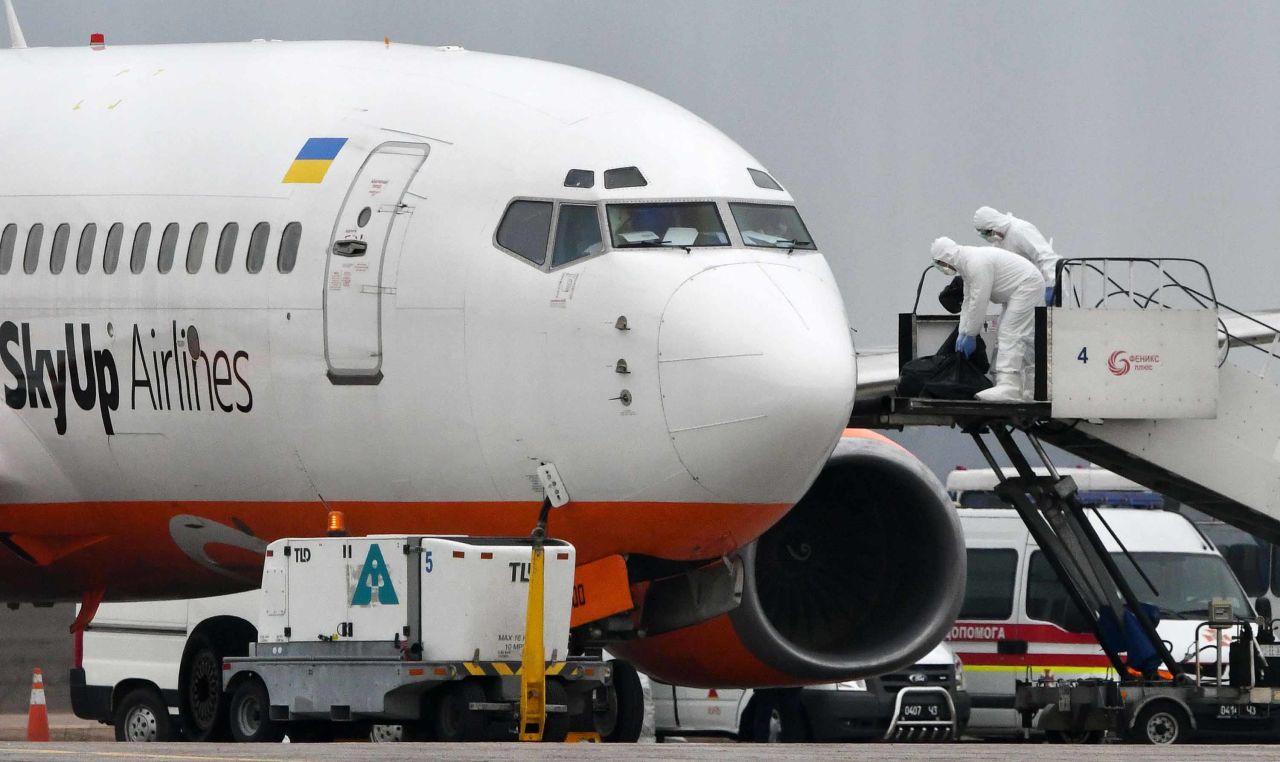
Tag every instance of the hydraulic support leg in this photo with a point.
(1057, 521)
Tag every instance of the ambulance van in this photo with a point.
(1017, 621)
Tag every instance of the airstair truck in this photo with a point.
(425, 632)
(1132, 372)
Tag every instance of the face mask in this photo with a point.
(991, 236)
(945, 268)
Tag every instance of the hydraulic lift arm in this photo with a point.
(1056, 519)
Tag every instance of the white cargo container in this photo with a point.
(427, 632)
(461, 598)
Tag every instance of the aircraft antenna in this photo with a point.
(16, 40)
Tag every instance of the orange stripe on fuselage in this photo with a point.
(137, 557)
(706, 655)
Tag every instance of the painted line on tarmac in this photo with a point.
(17, 750)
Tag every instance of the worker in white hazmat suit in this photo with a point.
(1021, 237)
(999, 276)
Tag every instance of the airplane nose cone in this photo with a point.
(757, 376)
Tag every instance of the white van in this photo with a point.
(154, 670)
(1017, 621)
(1255, 561)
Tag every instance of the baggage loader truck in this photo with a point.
(425, 632)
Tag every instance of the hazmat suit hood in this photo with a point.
(946, 251)
(987, 218)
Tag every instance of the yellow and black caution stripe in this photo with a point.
(506, 669)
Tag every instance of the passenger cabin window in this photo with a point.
(141, 239)
(624, 177)
(111, 254)
(677, 225)
(195, 249)
(1049, 601)
(226, 247)
(257, 247)
(577, 234)
(525, 228)
(988, 592)
(287, 257)
(771, 226)
(58, 257)
(168, 247)
(84, 254)
(763, 179)
(8, 240)
(31, 259)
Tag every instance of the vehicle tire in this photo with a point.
(1075, 737)
(453, 718)
(777, 717)
(620, 717)
(249, 712)
(556, 726)
(202, 707)
(1161, 723)
(142, 716)
(389, 734)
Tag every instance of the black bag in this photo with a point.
(979, 357)
(956, 378)
(952, 297)
(947, 375)
(916, 374)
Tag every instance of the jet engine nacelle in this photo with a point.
(863, 576)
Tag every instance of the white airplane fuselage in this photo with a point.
(417, 386)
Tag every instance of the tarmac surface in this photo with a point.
(353, 752)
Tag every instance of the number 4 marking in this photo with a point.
(1084, 355)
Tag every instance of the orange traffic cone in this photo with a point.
(38, 715)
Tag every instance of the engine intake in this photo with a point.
(863, 576)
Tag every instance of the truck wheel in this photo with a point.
(454, 719)
(556, 726)
(202, 709)
(620, 717)
(250, 714)
(1077, 736)
(142, 717)
(1162, 723)
(387, 734)
(777, 717)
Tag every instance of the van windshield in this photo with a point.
(1186, 581)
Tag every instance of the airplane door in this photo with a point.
(353, 278)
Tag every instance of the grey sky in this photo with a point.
(1118, 128)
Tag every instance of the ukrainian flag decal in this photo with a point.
(312, 162)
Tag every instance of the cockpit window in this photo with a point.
(677, 225)
(525, 228)
(577, 234)
(763, 179)
(624, 177)
(580, 178)
(771, 226)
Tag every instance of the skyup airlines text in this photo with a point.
(163, 374)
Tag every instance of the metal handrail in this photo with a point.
(1158, 263)
(1146, 300)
